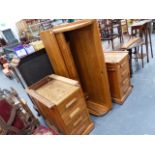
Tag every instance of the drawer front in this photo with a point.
(125, 85)
(125, 74)
(124, 64)
(79, 130)
(78, 121)
(70, 102)
(71, 113)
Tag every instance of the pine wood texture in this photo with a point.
(119, 75)
(61, 102)
(132, 41)
(76, 52)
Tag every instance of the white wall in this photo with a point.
(9, 24)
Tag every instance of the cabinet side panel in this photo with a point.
(51, 115)
(113, 75)
(67, 56)
(54, 53)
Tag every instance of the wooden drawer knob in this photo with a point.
(69, 104)
(76, 111)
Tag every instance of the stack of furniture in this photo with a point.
(119, 75)
(75, 52)
(61, 102)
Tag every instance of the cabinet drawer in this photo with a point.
(125, 85)
(81, 128)
(124, 64)
(124, 74)
(69, 115)
(70, 102)
(77, 122)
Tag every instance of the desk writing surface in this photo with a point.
(141, 23)
(56, 91)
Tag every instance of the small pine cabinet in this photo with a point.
(119, 75)
(61, 102)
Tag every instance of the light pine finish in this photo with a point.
(76, 52)
(119, 75)
(61, 102)
(131, 42)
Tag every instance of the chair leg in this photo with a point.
(146, 44)
(142, 56)
(130, 62)
(112, 42)
(149, 31)
(136, 53)
(120, 39)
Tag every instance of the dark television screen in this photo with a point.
(34, 67)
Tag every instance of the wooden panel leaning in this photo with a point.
(119, 75)
(76, 52)
(61, 102)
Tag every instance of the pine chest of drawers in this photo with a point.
(61, 102)
(119, 75)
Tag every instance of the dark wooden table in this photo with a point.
(144, 27)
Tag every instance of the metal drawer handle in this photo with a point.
(71, 103)
(77, 121)
(77, 110)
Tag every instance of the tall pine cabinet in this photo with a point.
(75, 52)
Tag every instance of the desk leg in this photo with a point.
(146, 44)
(149, 32)
(130, 62)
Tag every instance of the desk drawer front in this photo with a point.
(124, 64)
(84, 124)
(125, 85)
(78, 121)
(70, 102)
(72, 113)
(124, 74)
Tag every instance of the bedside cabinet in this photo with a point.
(61, 102)
(119, 75)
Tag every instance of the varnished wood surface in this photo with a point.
(68, 111)
(130, 42)
(119, 75)
(141, 23)
(56, 91)
(77, 54)
(72, 26)
(54, 55)
(114, 57)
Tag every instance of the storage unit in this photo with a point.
(76, 52)
(119, 75)
(33, 25)
(23, 25)
(61, 102)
